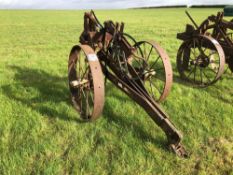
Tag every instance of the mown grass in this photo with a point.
(40, 132)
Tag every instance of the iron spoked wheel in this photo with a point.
(153, 66)
(201, 61)
(86, 82)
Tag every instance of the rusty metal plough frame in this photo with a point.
(205, 49)
(106, 49)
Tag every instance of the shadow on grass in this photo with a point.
(177, 79)
(48, 89)
(113, 117)
(223, 93)
(215, 90)
(228, 75)
(53, 89)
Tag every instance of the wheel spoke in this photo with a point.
(194, 47)
(191, 50)
(161, 68)
(87, 104)
(201, 75)
(138, 62)
(83, 92)
(92, 98)
(87, 69)
(211, 70)
(156, 87)
(151, 88)
(149, 53)
(190, 72)
(195, 69)
(155, 62)
(144, 50)
(207, 77)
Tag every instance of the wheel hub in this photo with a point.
(201, 61)
(148, 73)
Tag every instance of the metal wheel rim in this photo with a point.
(219, 51)
(166, 66)
(97, 79)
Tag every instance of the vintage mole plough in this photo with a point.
(141, 70)
(206, 48)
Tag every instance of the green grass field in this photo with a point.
(41, 133)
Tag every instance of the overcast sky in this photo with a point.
(100, 4)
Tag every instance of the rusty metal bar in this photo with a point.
(190, 17)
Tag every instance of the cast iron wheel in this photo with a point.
(153, 66)
(86, 82)
(201, 60)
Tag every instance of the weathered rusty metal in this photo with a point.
(129, 65)
(205, 49)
